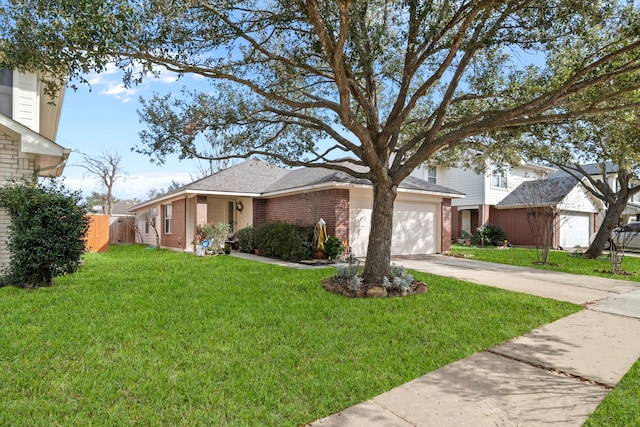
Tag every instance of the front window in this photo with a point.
(6, 92)
(167, 213)
(499, 176)
(431, 174)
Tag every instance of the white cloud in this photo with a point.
(133, 186)
(109, 82)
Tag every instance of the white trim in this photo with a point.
(49, 156)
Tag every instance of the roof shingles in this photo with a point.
(259, 177)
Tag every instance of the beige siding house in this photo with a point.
(28, 127)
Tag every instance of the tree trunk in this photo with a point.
(378, 264)
(609, 222)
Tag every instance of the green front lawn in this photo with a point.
(150, 337)
(565, 261)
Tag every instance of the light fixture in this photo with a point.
(239, 206)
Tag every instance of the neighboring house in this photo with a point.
(256, 192)
(575, 208)
(28, 127)
(610, 174)
(483, 191)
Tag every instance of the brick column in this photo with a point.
(445, 226)
(201, 210)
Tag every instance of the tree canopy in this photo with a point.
(384, 84)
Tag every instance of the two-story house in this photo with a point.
(504, 196)
(28, 127)
(483, 191)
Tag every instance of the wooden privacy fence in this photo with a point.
(105, 230)
(98, 235)
(122, 230)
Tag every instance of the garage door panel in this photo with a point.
(574, 229)
(414, 226)
(359, 225)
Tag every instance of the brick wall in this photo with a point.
(446, 221)
(177, 237)
(305, 209)
(259, 211)
(515, 224)
(12, 165)
(201, 210)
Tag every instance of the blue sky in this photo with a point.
(104, 119)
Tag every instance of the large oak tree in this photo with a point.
(385, 84)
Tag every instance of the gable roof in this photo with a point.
(256, 178)
(249, 177)
(539, 192)
(313, 177)
(591, 169)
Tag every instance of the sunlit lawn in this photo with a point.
(150, 337)
(566, 261)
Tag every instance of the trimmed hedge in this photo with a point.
(278, 239)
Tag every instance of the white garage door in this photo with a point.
(414, 226)
(359, 222)
(414, 230)
(574, 229)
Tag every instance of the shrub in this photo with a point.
(283, 240)
(400, 279)
(491, 234)
(46, 234)
(205, 232)
(349, 274)
(332, 247)
(245, 239)
(220, 233)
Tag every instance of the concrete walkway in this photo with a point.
(556, 375)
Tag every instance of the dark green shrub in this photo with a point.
(332, 247)
(491, 234)
(245, 240)
(283, 240)
(47, 232)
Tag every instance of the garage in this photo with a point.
(415, 224)
(574, 229)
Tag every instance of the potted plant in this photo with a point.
(227, 248)
(465, 237)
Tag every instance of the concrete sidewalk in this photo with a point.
(555, 375)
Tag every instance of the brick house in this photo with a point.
(575, 208)
(28, 127)
(255, 192)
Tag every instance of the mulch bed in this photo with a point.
(371, 290)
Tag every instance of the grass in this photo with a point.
(622, 406)
(567, 262)
(151, 337)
